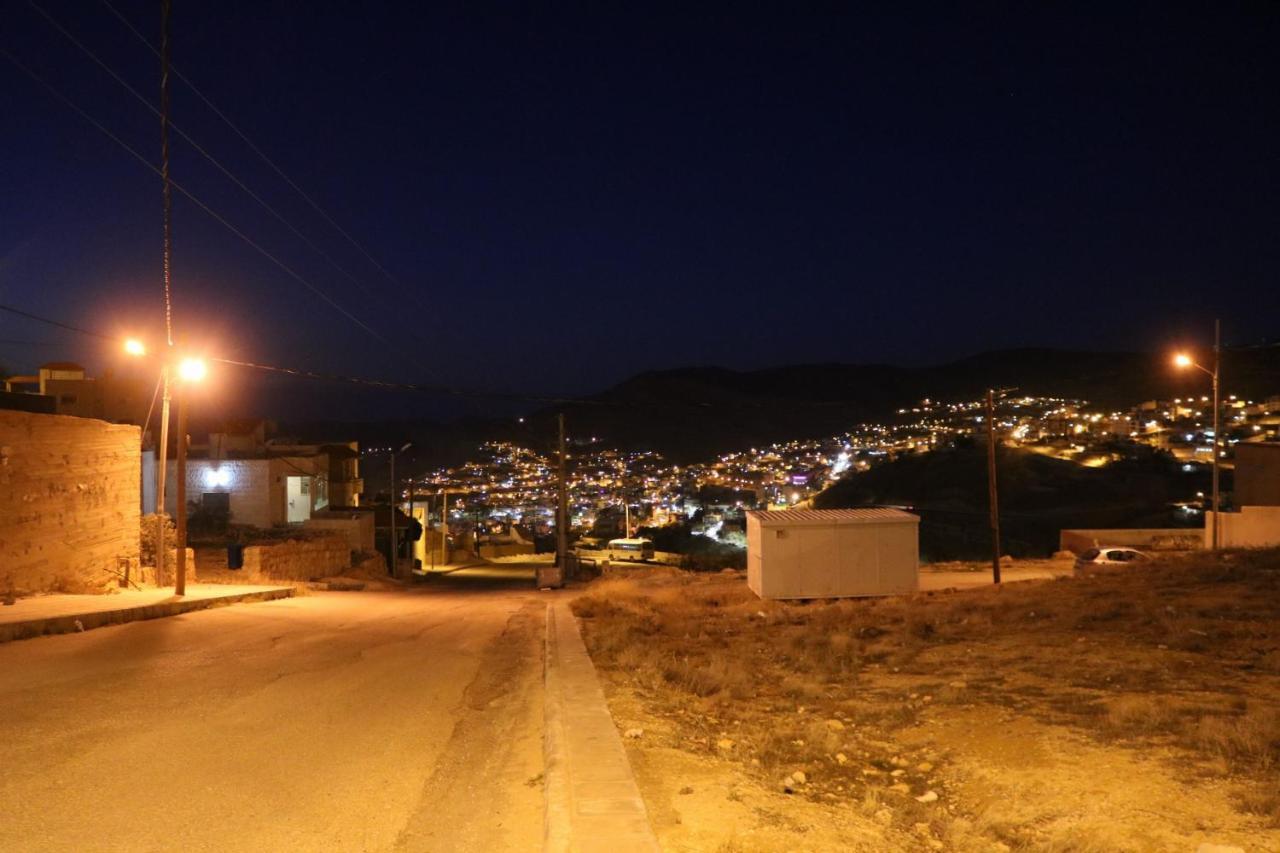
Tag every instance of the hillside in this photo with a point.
(696, 413)
(1039, 496)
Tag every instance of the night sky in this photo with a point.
(562, 197)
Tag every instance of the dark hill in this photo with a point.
(696, 413)
(1039, 496)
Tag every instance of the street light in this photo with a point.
(135, 347)
(192, 369)
(1183, 361)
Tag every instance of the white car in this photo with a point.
(1109, 555)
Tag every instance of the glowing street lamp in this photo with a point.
(192, 369)
(189, 370)
(1183, 361)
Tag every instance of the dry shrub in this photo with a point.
(1141, 715)
(800, 688)
(1264, 801)
(1246, 741)
(722, 675)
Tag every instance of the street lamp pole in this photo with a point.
(180, 579)
(1184, 360)
(161, 472)
(395, 501)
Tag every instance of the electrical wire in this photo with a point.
(311, 244)
(58, 324)
(256, 150)
(208, 210)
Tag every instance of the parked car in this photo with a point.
(1108, 555)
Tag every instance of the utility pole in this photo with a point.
(991, 486)
(444, 527)
(426, 534)
(166, 196)
(180, 582)
(627, 507)
(394, 550)
(562, 505)
(1217, 432)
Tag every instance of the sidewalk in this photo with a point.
(60, 614)
(593, 803)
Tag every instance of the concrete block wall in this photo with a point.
(1250, 527)
(70, 492)
(1145, 539)
(248, 481)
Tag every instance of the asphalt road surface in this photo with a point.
(336, 721)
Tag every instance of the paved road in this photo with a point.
(336, 721)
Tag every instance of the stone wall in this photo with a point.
(297, 559)
(70, 492)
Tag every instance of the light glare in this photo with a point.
(192, 369)
(133, 346)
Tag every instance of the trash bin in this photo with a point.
(235, 555)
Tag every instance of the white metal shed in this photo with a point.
(832, 553)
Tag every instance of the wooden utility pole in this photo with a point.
(991, 486)
(166, 198)
(562, 505)
(180, 582)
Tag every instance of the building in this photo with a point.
(118, 398)
(1257, 473)
(260, 481)
(1256, 521)
(832, 553)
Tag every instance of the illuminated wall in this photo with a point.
(69, 499)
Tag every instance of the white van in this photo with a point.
(629, 549)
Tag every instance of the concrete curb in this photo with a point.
(74, 622)
(593, 802)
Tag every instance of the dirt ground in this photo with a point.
(1128, 710)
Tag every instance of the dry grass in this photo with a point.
(1180, 653)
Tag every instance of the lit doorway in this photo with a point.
(298, 493)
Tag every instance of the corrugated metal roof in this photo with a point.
(831, 516)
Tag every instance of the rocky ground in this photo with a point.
(1128, 710)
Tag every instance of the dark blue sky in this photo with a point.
(569, 195)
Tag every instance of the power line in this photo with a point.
(199, 149)
(56, 323)
(212, 213)
(249, 142)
